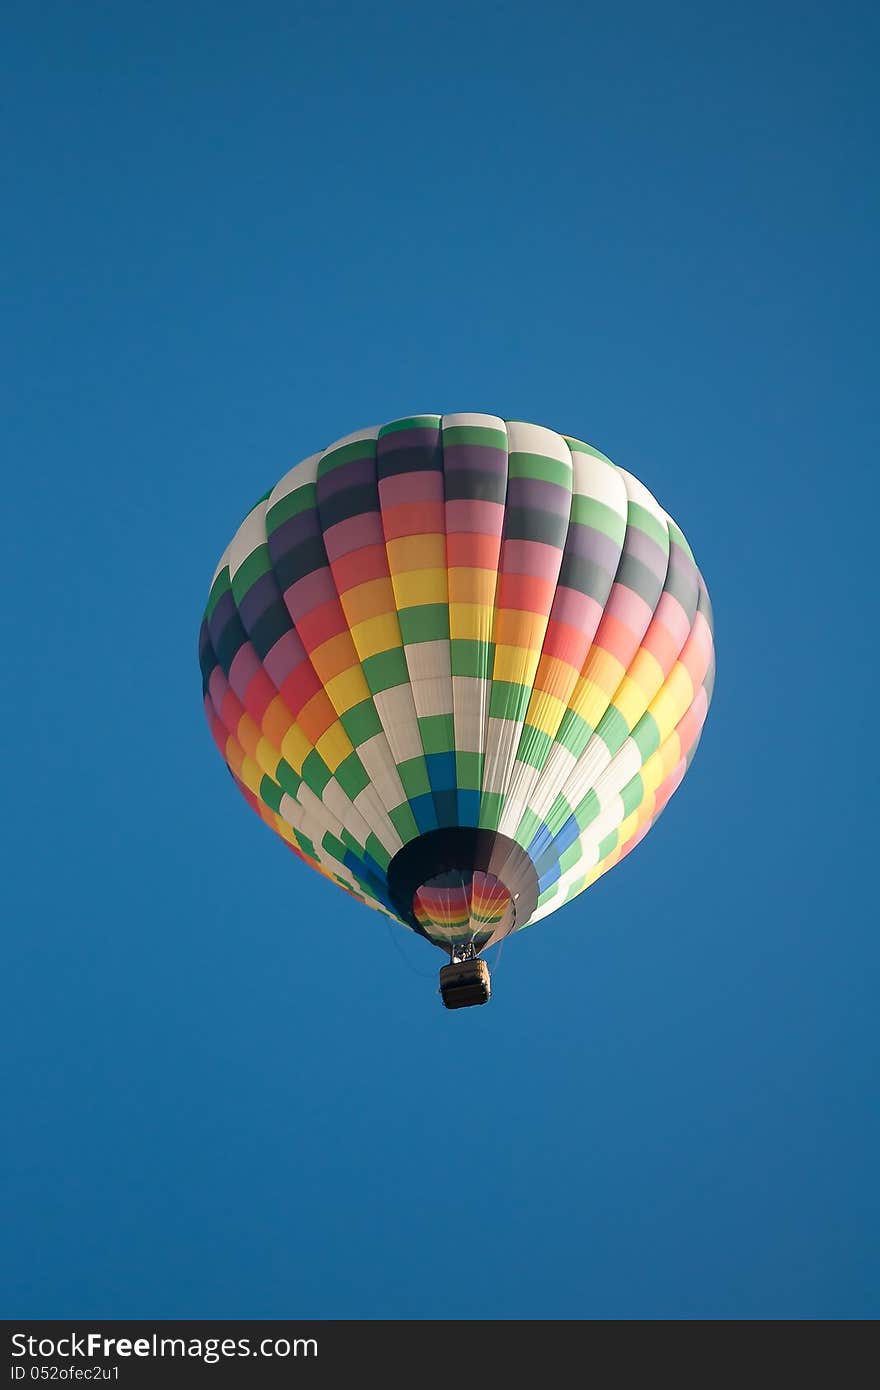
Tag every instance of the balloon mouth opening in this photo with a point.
(463, 886)
(464, 907)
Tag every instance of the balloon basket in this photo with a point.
(464, 983)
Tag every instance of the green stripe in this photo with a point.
(587, 810)
(438, 734)
(577, 887)
(352, 776)
(613, 729)
(574, 733)
(607, 845)
(558, 814)
(471, 658)
(509, 701)
(351, 843)
(581, 448)
(258, 563)
(361, 722)
(644, 520)
(482, 435)
(385, 670)
(410, 422)
(404, 822)
(632, 795)
(377, 851)
(527, 828)
(570, 857)
(424, 622)
(587, 511)
(220, 586)
(333, 846)
(271, 793)
(646, 736)
(346, 453)
(414, 777)
(534, 746)
(302, 499)
(468, 771)
(289, 780)
(677, 536)
(540, 468)
(491, 806)
(316, 774)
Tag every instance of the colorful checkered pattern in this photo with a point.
(458, 621)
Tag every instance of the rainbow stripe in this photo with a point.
(458, 621)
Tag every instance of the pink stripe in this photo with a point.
(667, 788)
(576, 610)
(636, 839)
(217, 687)
(284, 657)
(411, 487)
(690, 726)
(245, 665)
(629, 609)
(310, 592)
(353, 534)
(670, 613)
(484, 518)
(697, 651)
(531, 557)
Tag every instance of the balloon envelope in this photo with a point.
(459, 665)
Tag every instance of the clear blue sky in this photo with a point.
(232, 233)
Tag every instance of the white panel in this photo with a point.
(502, 737)
(250, 535)
(556, 771)
(637, 492)
(586, 770)
(373, 812)
(335, 799)
(621, 770)
(463, 419)
(397, 712)
(371, 432)
(471, 701)
(599, 480)
(374, 755)
(221, 564)
(429, 661)
(523, 438)
(306, 471)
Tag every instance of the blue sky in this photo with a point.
(232, 234)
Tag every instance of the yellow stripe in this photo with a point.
(472, 586)
(267, 757)
(347, 689)
(673, 700)
(516, 628)
(376, 635)
(420, 586)
(368, 600)
(631, 701)
(545, 712)
(334, 746)
(416, 553)
(295, 747)
(515, 664)
(470, 621)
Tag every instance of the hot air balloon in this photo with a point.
(459, 664)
